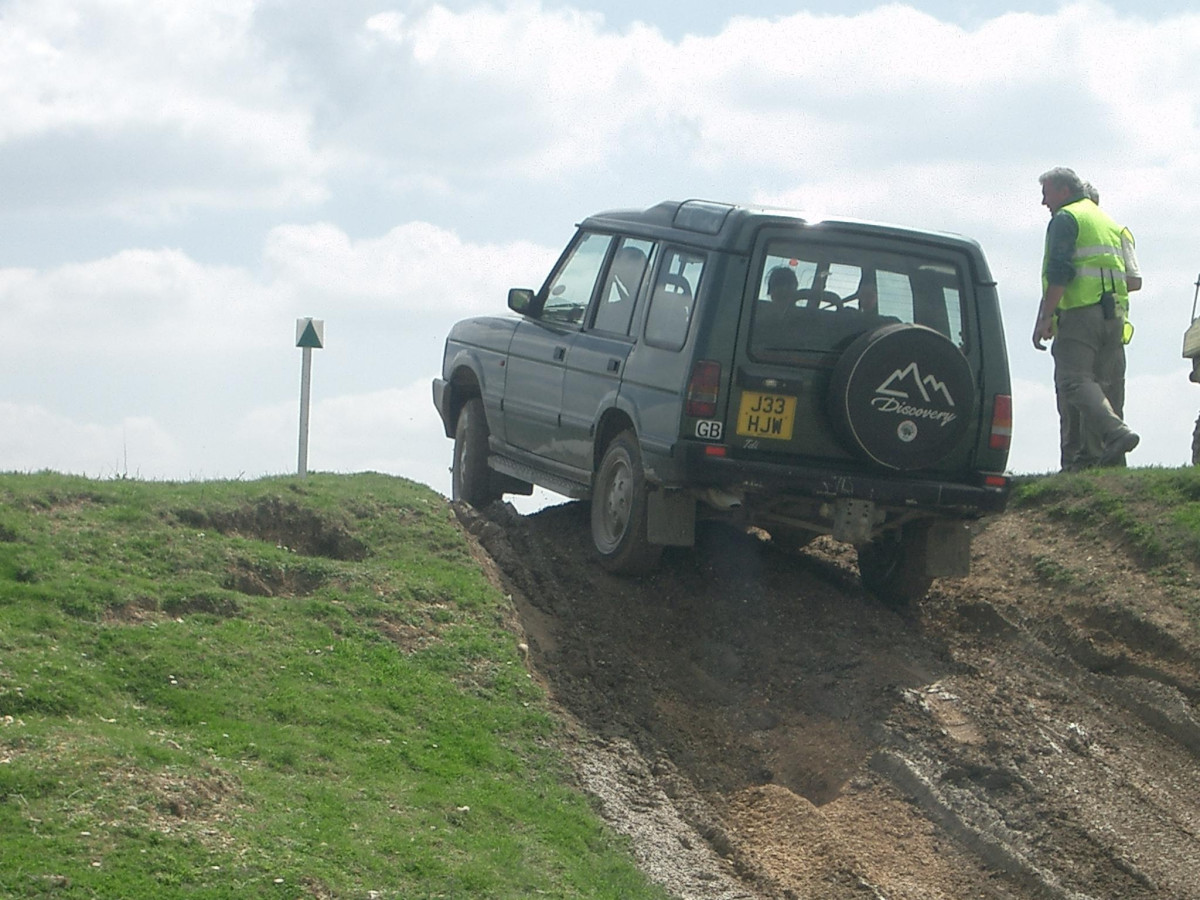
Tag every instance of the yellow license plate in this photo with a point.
(766, 416)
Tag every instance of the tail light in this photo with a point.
(702, 389)
(1001, 437)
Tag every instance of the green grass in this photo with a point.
(285, 688)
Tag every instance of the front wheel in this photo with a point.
(619, 510)
(470, 478)
(892, 567)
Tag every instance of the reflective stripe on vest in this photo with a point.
(1099, 263)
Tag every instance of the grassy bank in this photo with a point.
(282, 688)
(1153, 514)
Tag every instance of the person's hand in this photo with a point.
(1043, 331)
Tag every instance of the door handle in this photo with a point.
(614, 365)
(560, 353)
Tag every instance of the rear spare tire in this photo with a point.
(902, 397)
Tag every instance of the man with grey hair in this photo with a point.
(1084, 298)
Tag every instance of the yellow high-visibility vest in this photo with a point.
(1099, 264)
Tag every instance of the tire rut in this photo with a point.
(998, 740)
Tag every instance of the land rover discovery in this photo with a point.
(699, 360)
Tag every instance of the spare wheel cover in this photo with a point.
(902, 397)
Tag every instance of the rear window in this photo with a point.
(820, 296)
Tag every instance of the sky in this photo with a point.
(181, 181)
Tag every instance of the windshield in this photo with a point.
(820, 296)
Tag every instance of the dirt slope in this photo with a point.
(763, 730)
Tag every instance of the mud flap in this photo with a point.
(671, 518)
(947, 549)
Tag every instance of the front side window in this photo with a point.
(570, 288)
(673, 298)
(819, 296)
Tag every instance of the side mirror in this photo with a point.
(520, 300)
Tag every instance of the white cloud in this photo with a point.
(136, 303)
(1035, 428)
(161, 303)
(417, 267)
(182, 180)
(151, 108)
(35, 439)
(1160, 407)
(794, 93)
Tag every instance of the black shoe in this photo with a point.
(1116, 448)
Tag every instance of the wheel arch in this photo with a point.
(462, 386)
(612, 422)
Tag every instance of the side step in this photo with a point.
(565, 486)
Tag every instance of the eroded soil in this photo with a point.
(763, 729)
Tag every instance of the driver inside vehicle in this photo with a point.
(782, 285)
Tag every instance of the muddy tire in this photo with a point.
(619, 510)
(470, 478)
(902, 397)
(892, 568)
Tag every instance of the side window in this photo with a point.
(673, 298)
(894, 290)
(937, 301)
(619, 295)
(570, 289)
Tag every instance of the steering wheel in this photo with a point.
(830, 300)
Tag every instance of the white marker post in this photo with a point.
(310, 335)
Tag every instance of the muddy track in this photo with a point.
(762, 729)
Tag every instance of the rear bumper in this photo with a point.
(898, 490)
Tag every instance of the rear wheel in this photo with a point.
(619, 509)
(791, 539)
(471, 479)
(892, 567)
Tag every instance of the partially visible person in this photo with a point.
(868, 293)
(1084, 299)
(782, 285)
(1133, 273)
(1081, 448)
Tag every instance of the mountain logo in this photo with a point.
(907, 393)
(893, 384)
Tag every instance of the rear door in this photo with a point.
(657, 370)
(813, 302)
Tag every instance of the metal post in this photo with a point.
(305, 385)
(310, 335)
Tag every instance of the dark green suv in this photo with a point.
(697, 359)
